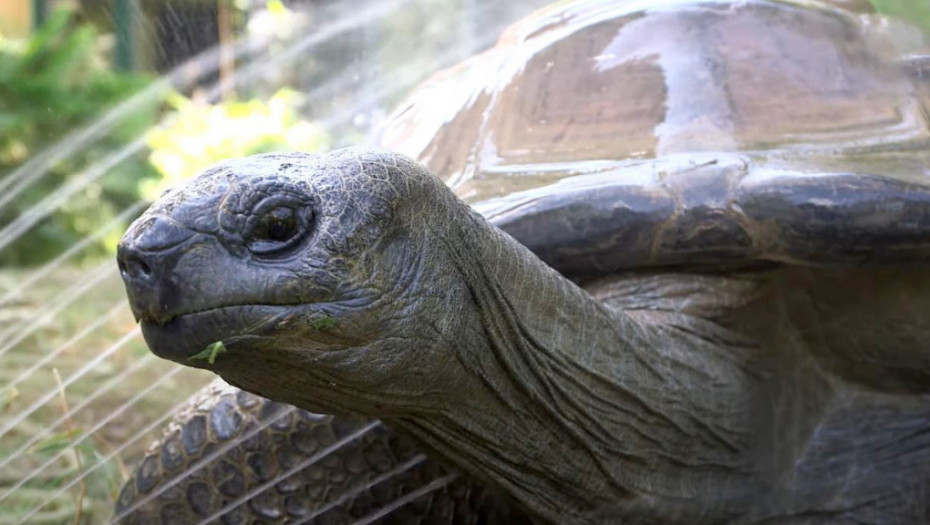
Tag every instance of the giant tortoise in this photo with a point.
(691, 288)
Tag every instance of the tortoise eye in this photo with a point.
(277, 230)
(278, 225)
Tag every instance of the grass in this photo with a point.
(128, 371)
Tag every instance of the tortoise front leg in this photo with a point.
(239, 458)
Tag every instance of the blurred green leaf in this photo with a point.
(210, 352)
(56, 442)
(51, 84)
(195, 135)
(916, 12)
(7, 396)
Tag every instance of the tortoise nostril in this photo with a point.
(144, 269)
(135, 268)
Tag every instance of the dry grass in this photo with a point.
(124, 374)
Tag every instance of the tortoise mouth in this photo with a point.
(186, 335)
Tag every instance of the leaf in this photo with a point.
(210, 352)
(56, 442)
(323, 323)
(7, 397)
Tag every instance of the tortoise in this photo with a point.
(689, 289)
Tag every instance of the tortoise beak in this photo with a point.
(146, 255)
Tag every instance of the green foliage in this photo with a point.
(916, 12)
(323, 323)
(57, 81)
(56, 442)
(210, 352)
(196, 135)
(49, 85)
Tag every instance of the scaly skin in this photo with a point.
(202, 468)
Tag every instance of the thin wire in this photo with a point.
(108, 457)
(53, 200)
(62, 300)
(396, 471)
(25, 221)
(135, 367)
(293, 470)
(181, 77)
(55, 263)
(137, 204)
(115, 309)
(202, 462)
(332, 27)
(419, 493)
(13, 422)
(408, 75)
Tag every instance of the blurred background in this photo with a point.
(104, 104)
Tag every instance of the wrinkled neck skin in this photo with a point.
(576, 409)
(522, 379)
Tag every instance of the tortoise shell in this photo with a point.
(621, 135)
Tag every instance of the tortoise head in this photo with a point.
(296, 262)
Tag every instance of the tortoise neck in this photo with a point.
(573, 407)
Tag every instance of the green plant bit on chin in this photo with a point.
(210, 352)
(323, 323)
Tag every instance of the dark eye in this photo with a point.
(278, 225)
(276, 230)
